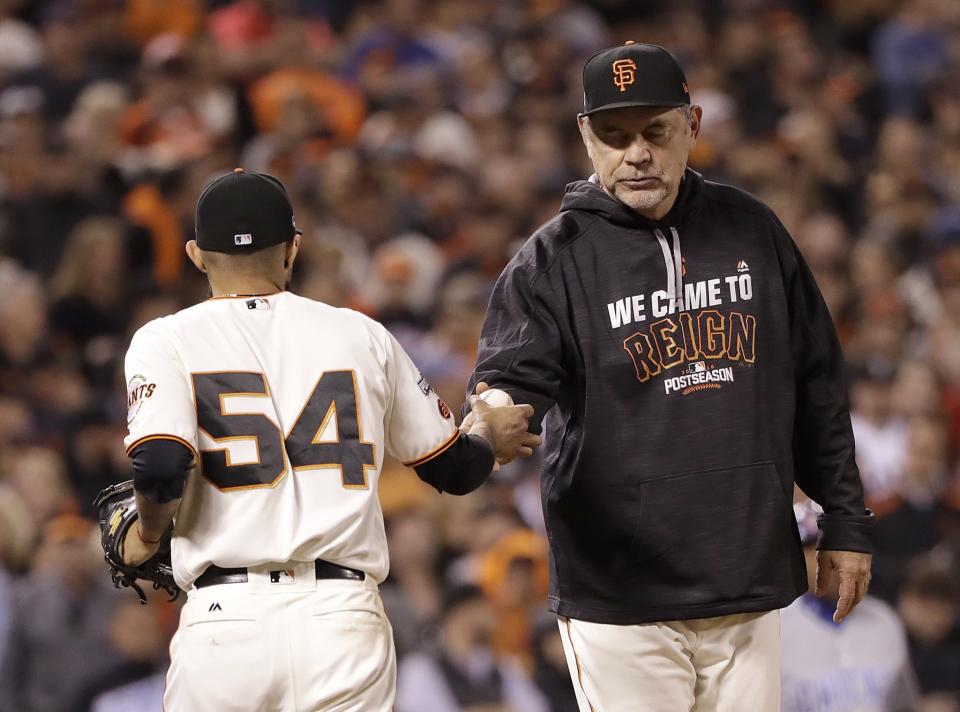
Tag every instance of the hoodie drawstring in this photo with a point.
(678, 265)
(671, 274)
(674, 267)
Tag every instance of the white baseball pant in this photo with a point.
(296, 645)
(725, 664)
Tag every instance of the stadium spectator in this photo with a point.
(413, 594)
(61, 623)
(142, 636)
(88, 291)
(550, 671)
(464, 674)
(929, 604)
(514, 575)
(860, 664)
(881, 433)
(911, 520)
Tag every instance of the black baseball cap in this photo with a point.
(633, 74)
(244, 212)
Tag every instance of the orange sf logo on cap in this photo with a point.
(624, 73)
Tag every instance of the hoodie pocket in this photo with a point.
(711, 537)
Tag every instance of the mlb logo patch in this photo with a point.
(257, 303)
(244, 239)
(284, 576)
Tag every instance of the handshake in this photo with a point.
(495, 418)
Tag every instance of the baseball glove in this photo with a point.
(117, 506)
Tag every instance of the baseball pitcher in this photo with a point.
(258, 423)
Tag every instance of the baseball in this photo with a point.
(496, 398)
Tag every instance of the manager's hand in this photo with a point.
(853, 569)
(504, 427)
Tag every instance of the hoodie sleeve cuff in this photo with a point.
(845, 532)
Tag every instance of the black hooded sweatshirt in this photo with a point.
(687, 373)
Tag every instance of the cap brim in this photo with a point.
(624, 104)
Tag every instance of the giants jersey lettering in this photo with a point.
(288, 406)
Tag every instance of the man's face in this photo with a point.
(639, 153)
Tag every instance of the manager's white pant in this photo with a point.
(292, 646)
(724, 664)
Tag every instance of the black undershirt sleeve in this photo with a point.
(461, 468)
(160, 469)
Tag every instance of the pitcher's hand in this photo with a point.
(135, 548)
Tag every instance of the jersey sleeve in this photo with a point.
(159, 397)
(419, 425)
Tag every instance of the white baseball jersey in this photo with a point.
(861, 665)
(288, 406)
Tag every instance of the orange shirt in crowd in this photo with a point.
(145, 19)
(341, 105)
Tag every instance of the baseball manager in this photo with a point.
(674, 344)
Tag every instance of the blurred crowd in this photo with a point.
(422, 141)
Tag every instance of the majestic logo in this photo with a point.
(742, 267)
(137, 391)
(624, 73)
(244, 239)
(215, 606)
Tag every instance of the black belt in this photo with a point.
(215, 575)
